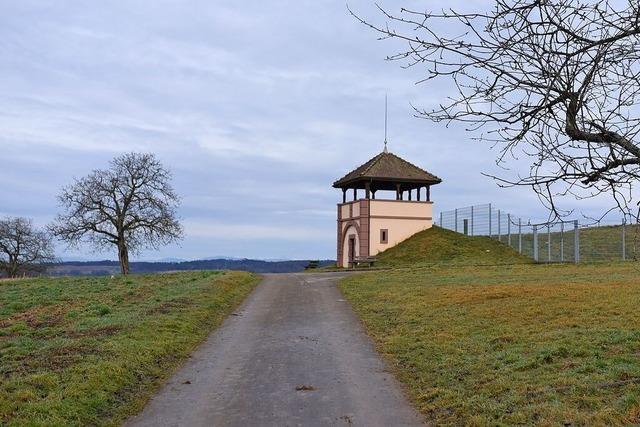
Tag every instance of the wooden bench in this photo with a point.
(312, 264)
(369, 260)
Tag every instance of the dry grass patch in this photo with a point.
(527, 344)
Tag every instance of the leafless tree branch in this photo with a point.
(131, 205)
(23, 248)
(555, 80)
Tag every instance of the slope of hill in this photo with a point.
(439, 246)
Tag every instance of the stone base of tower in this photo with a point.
(367, 227)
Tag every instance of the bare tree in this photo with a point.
(131, 205)
(23, 248)
(555, 80)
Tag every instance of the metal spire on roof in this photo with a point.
(385, 123)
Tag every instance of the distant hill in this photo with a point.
(440, 246)
(102, 268)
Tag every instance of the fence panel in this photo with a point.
(609, 242)
(631, 242)
(560, 241)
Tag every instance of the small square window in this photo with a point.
(384, 236)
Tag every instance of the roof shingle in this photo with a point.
(387, 167)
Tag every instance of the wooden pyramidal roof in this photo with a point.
(387, 168)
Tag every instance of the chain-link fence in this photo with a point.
(560, 241)
(609, 241)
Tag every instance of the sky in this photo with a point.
(256, 107)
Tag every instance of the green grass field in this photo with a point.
(90, 351)
(516, 344)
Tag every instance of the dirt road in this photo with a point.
(294, 354)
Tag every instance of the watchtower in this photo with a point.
(369, 225)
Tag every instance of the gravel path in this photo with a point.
(294, 354)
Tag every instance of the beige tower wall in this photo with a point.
(401, 218)
(344, 211)
(401, 208)
(365, 218)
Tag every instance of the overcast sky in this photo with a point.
(255, 106)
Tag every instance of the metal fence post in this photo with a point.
(562, 242)
(441, 223)
(535, 243)
(499, 231)
(472, 220)
(624, 243)
(509, 229)
(489, 220)
(548, 242)
(456, 220)
(576, 242)
(520, 235)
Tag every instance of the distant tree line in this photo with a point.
(129, 206)
(102, 268)
(23, 248)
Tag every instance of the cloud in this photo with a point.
(251, 232)
(256, 107)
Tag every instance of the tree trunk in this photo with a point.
(123, 257)
(12, 267)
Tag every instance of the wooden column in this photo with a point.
(418, 193)
(355, 194)
(410, 194)
(344, 195)
(367, 191)
(373, 194)
(397, 191)
(428, 193)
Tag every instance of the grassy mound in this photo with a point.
(440, 246)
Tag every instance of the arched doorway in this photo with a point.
(350, 246)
